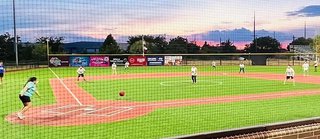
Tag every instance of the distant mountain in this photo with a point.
(240, 35)
(88, 47)
(83, 45)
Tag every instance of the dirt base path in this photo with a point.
(68, 112)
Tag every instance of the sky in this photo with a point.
(199, 20)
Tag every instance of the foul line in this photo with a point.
(65, 86)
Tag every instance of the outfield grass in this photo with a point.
(163, 122)
(71, 71)
(156, 89)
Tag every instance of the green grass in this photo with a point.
(71, 71)
(156, 89)
(162, 122)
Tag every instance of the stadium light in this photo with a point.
(144, 48)
(15, 33)
(47, 41)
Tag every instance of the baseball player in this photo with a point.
(305, 67)
(194, 74)
(114, 69)
(126, 65)
(213, 64)
(241, 68)
(81, 72)
(289, 75)
(29, 89)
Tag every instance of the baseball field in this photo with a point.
(159, 102)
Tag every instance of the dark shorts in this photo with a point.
(1, 75)
(80, 75)
(289, 77)
(24, 99)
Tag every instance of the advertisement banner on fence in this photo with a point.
(99, 61)
(76, 61)
(172, 60)
(58, 61)
(119, 60)
(137, 60)
(155, 60)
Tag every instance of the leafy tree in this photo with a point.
(4, 42)
(206, 44)
(192, 48)
(39, 52)
(7, 50)
(302, 41)
(206, 48)
(110, 46)
(264, 45)
(55, 43)
(177, 45)
(25, 51)
(155, 45)
(136, 48)
(158, 45)
(316, 43)
(228, 47)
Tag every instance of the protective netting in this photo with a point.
(154, 69)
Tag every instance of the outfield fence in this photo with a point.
(220, 59)
(9, 66)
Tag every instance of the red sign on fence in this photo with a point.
(137, 60)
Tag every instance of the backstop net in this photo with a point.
(145, 69)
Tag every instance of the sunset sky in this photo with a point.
(201, 20)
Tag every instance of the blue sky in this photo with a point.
(203, 20)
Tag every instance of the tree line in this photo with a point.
(28, 51)
(154, 44)
(180, 45)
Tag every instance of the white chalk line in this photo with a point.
(65, 86)
(55, 112)
(109, 114)
(177, 83)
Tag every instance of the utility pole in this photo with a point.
(254, 31)
(293, 38)
(47, 45)
(305, 29)
(15, 32)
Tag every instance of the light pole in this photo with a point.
(15, 32)
(47, 41)
(143, 46)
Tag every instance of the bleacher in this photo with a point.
(304, 52)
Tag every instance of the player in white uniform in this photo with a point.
(289, 75)
(81, 72)
(241, 68)
(305, 67)
(316, 66)
(194, 74)
(126, 65)
(114, 68)
(213, 64)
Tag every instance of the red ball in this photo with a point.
(122, 93)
